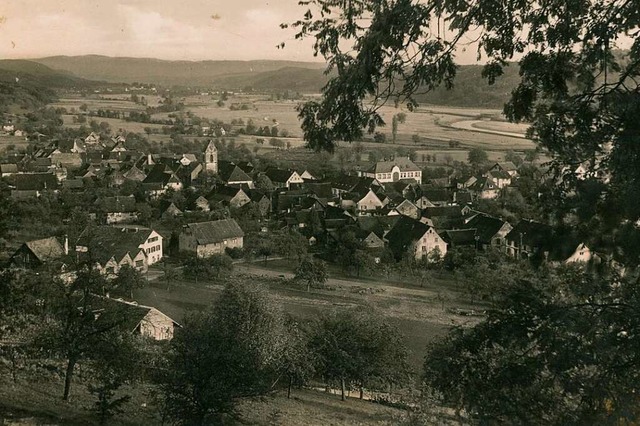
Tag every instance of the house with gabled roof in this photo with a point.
(583, 254)
(362, 203)
(35, 253)
(491, 231)
(262, 200)
(160, 179)
(394, 170)
(433, 197)
(141, 320)
(27, 185)
(283, 178)
(208, 238)
(528, 239)
(461, 238)
(501, 178)
(412, 237)
(505, 166)
(446, 217)
(118, 209)
(407, 208)
(230, 196)
(485, 188)
(108, 248)
(233, 175)
(134, 173)
(92, 139)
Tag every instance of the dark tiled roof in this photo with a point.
(230, 172)
(215, 231)
(534, 234)
(486, 226)
(404, 233)
(278, 175)
(46, 249)
(320, 190)
(460, 237)
(107, 241)
(33, 181)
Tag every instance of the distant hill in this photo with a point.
(178, 73)
(470, 89)
(35, 73)
(302, 80)
(28, 85)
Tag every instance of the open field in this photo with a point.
(422, 313)
(95, 103)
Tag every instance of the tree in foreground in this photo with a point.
(232, 351)
(359, 347)
(312, 271)
(559, 348)
(579, 68)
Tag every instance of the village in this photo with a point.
(155, 207)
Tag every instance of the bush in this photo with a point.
(235, 252)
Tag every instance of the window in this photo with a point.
(139, 263)
(159, 248)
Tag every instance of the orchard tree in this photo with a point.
(359, 347)
(311, 271)
(231, 351)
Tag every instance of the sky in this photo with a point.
(175, 29)
(164, 29)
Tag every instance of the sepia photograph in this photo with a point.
(319, 212)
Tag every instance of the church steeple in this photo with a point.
(211, 158)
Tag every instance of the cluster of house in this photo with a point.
(110, 248)
(387, 207)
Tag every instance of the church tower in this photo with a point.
(211, 158)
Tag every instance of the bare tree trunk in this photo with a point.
(342, 388)
(361, 391)
(14, 365)
(68, 377)
(289, 388)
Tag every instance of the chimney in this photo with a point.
(66, 244)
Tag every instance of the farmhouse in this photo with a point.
(33, 254)
(209, 238)
(110, 247)
(140, 320)
(283, 178)
(233, 175)
(117, 209)
(412, 237)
